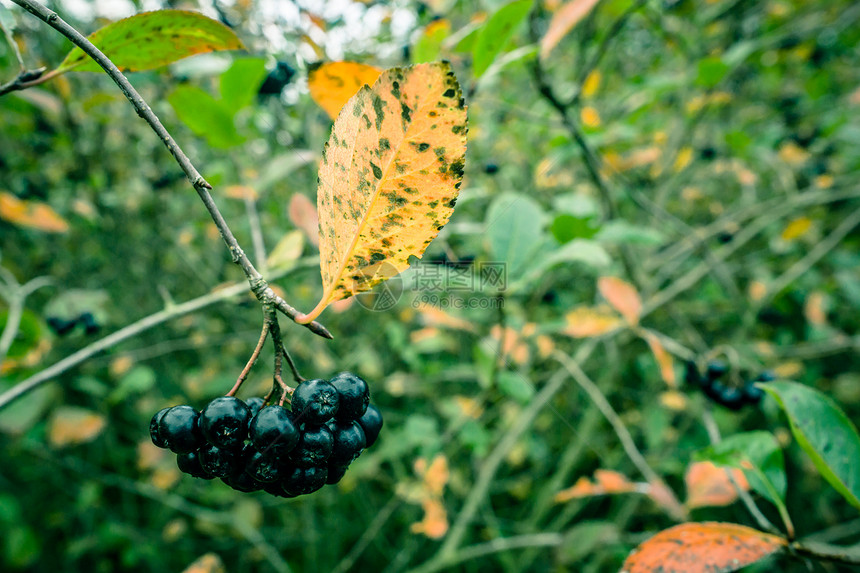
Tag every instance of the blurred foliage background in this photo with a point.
(708, 153)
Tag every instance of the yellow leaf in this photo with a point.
(824, 181)
(583, 322)
(591, 83)
(590, 117)
(622, 296)
(757, 290)
(332, 84)
(796, 228)
(287, 251)
(674, 400)
(792, 153)
(814, 309)
(663, 358)
(207, 563)
(31, 214)
(684, 158)
(241, 192)
(389, 177)
(304, 216)
(72, 425)
(563, 21)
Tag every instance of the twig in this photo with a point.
(620, 429)
(251, 361)
(12, 44)
(16, 299)
(259, 286)
(371, 531)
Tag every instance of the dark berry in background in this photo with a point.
(178, 429)
(353, 393)
(224, 422)
(272, 431)
(154, 435)
(371, 423)
(314, 402)
(716, 369)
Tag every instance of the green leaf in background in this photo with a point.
(153, 39)
(138, 380)
(711, 71)
(496, 33)
(205, 116)
(27, 411)
(576, 251)
(761, 451)
(824, 432)
(428, 46)
(241, 81)
(619, 231)
(566, 227)
(515, 386)
(514, 229)
(28, 336)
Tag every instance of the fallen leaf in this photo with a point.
(71, 425)
(708, 485)
(584, 321)
(303, 214)
(333, 83)
(622, 296)
(708, 547)
(663, 358)
(389, 178)
(563, 21)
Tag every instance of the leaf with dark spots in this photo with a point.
(151, 40)
(333, 83)
(377, 223)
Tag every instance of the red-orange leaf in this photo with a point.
(31, 214)
(389, 177)
(623, 298)
(333, 83)
(709, 484)
(708, 547)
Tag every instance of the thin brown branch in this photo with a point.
(259, 286)
(251, 361)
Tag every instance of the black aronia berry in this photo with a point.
(728, 395)
(285, 452)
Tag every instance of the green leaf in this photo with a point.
(137, 381)
(28, 335)
(496, 33)
(514, 226)
(565, 228)
(153, 39)
(27, 411)
(759, 449)
(429, 44)
(711, 71)
(287, 251)
(515, 386)
(241, 81)
(205, 116)
(824, 432)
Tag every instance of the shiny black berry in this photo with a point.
(272, 431)
(189, 463)
(224, 422)
(242, 481)
(302, 481)
(349, 440)
(752, 393)
(716, 370)
(314, 402)
(336, 473)
(263, 467)
(314, 447)
(371, 423)
(691, 373)
(353, 394)
(178, 429)
(153, 428)
(254, 404)
(219, 462)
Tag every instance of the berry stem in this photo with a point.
(256, 354)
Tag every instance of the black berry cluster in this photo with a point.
(713, 386)
(285, 452)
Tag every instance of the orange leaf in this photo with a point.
(605, 482)
(332, 84)
(31, 214)
(304, 216)
(814, 308)
(389, 178)
(613, 482)
(583, 322)
(708, 547)
(435, 475)
(435, 522)
(709, 485)
(563, 21)
(73, 425)
(207, 563)
(663, 358)
(623, 298)
(435, 316)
